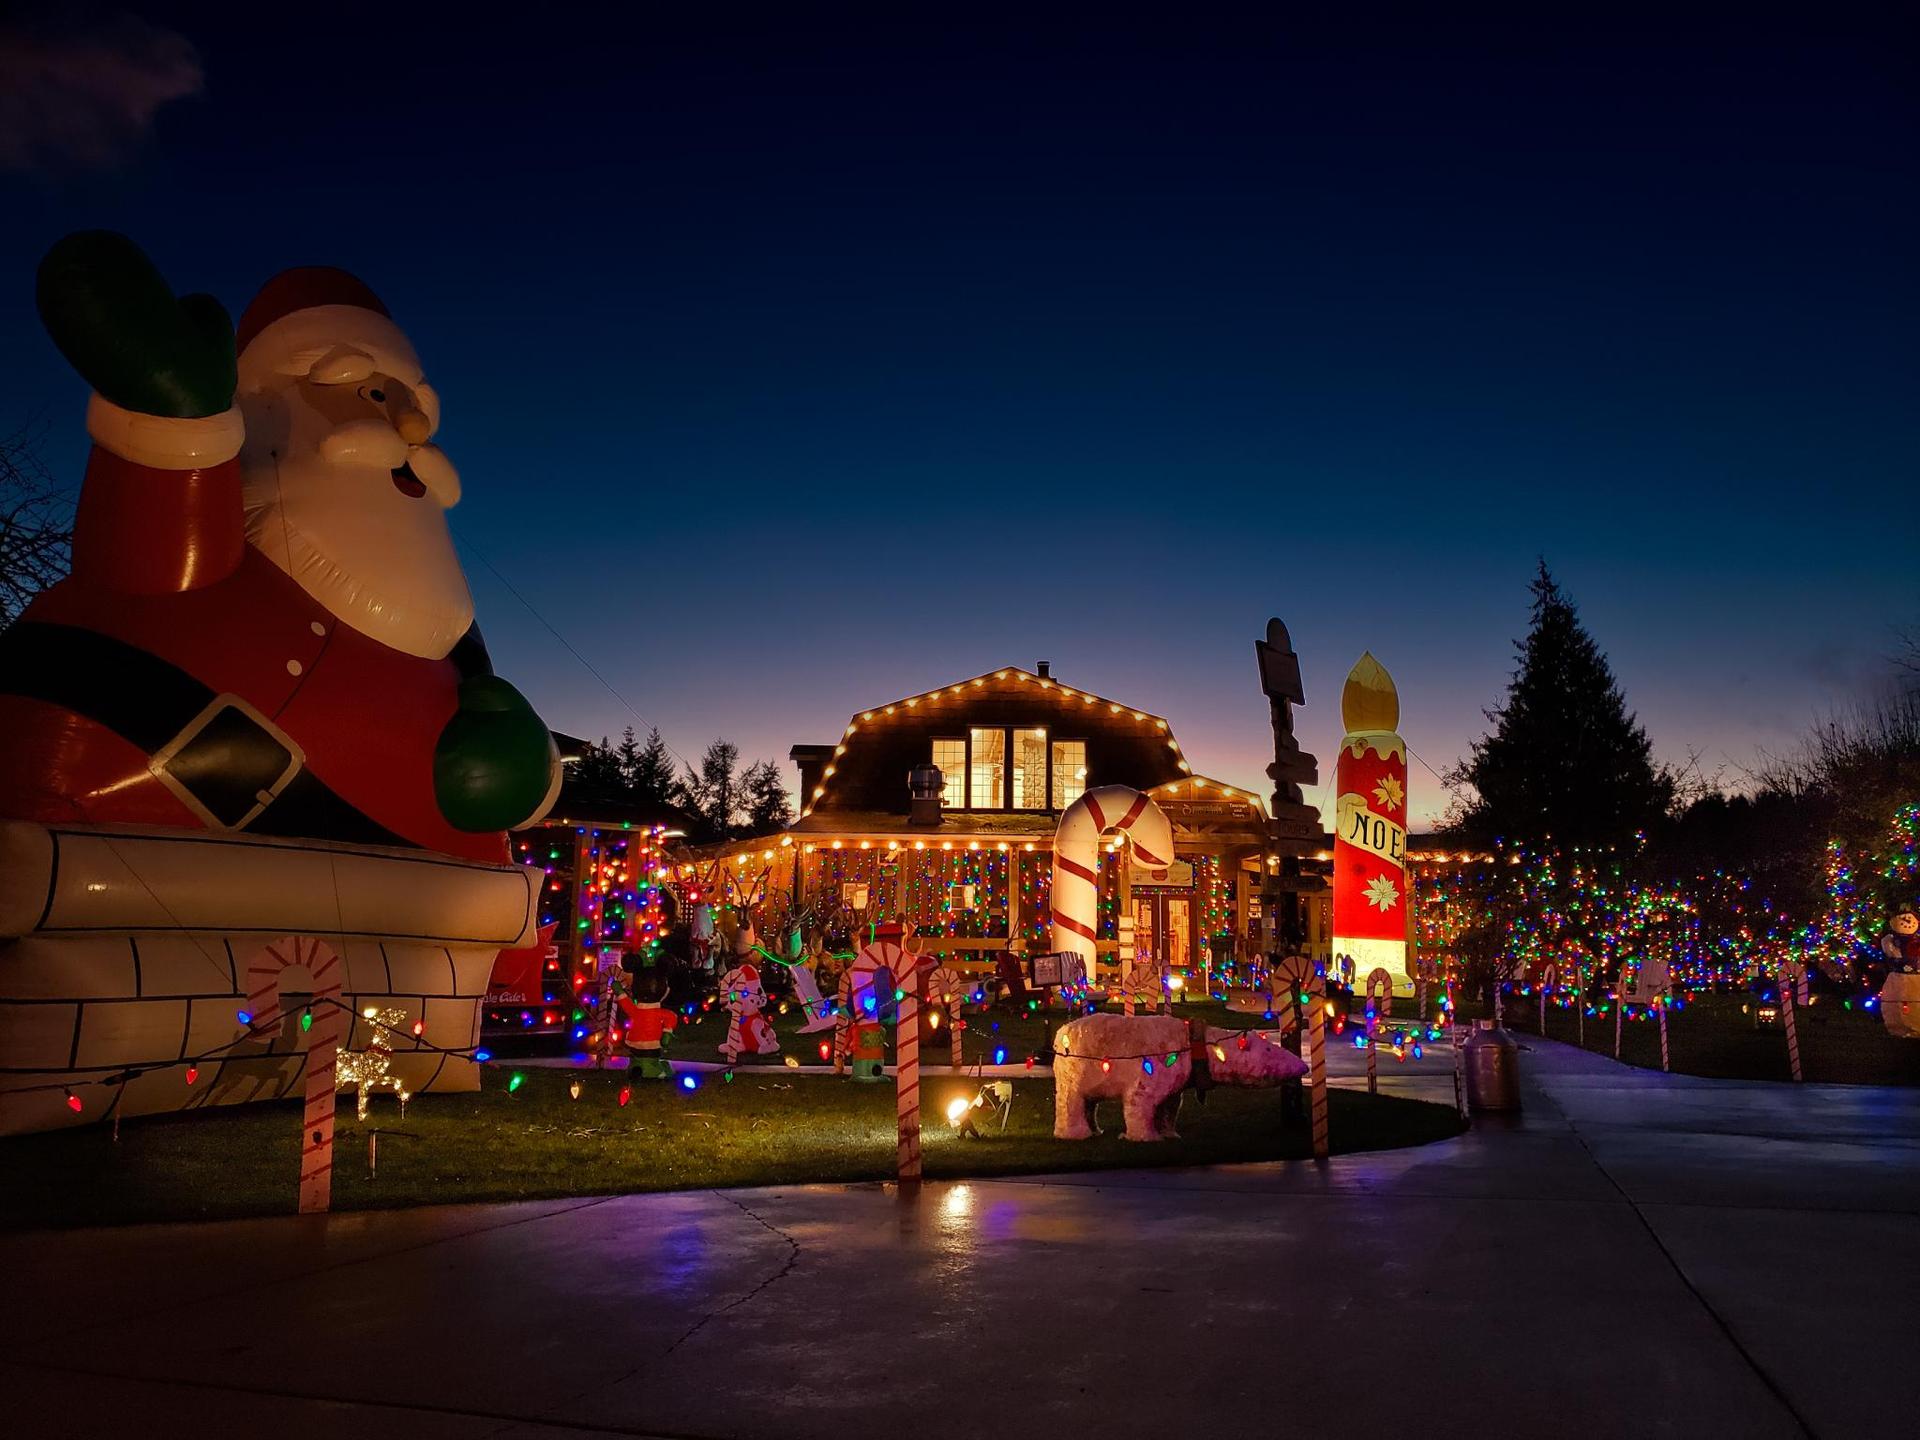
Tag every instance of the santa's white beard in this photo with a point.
(378, 560)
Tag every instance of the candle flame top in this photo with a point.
(1369, 702)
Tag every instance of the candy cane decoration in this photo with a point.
(843, 1022)
(1619, 1011)
(1580, 1005)
(1548, 976)
(1317, 1062)
(1075, 896)
(322, 963)
(1787, 1008)
(945, 986)
(1666, 1056)
(888, 962)
(1381, 980)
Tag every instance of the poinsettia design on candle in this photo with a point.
(1381, 893)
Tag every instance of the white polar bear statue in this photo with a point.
(1150, 1097)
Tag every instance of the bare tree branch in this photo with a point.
(36, 522)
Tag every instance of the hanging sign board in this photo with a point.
(1058, 967)
(1178, 875)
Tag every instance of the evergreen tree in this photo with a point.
(768, 808)
(596, 773)
(627, 757)
(1566, 763)
(712, 792)
(650, 777)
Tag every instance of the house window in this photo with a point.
(951, 757)
(987, 770)
(1029, 769)
(1069, 772)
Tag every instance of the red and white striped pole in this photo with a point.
(843, 1022)
(907, 1068)
(1379, 981)
(945, 986)
(1666, 1055)
(323, 1034)
(1788, 1007)
(1317, 1061)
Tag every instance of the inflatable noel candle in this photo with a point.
(266, 629)
(1370, 829)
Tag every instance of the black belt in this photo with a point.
(219, 756)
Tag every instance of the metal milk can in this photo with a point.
(1493, 1069)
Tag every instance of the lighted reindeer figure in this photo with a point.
(803, 933)
(369, 1069)
(701, 933)
(742, 993)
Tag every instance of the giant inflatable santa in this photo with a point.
(266, 629)
(256, 763)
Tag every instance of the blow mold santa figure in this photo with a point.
(266, 629)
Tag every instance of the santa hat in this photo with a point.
(301, 314)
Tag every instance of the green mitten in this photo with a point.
(494, 761)
(114, 318)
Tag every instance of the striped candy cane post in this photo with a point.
(1619, 1013)
(945, 987)
(1381, 982)
(322, 963)
(1580, 1006)
(1666, 1055)
(1547, 978)
(1074, 899)
(888, 962)
(1317, 1062)
(842, 1022)
(1787, 1009)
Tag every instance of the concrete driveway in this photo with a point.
(1637, 1255)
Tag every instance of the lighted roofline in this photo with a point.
(1045, 682)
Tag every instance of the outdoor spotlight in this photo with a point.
(960, 1116)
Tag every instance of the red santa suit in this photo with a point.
(179, 677)
(114, 698)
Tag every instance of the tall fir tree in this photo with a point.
(1566, 762)
(768, 806)
(712, 791)
(627, 757)
(596, 774)
(650, 778)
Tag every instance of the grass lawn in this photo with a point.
(1712, 1037)
(762, 1127)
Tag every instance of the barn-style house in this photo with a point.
(969, 863)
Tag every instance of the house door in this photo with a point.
(1163, 929)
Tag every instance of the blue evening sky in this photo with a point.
(793, 365)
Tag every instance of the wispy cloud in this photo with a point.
(82, 92)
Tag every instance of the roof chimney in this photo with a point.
(925, 786)
(1046, 669)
